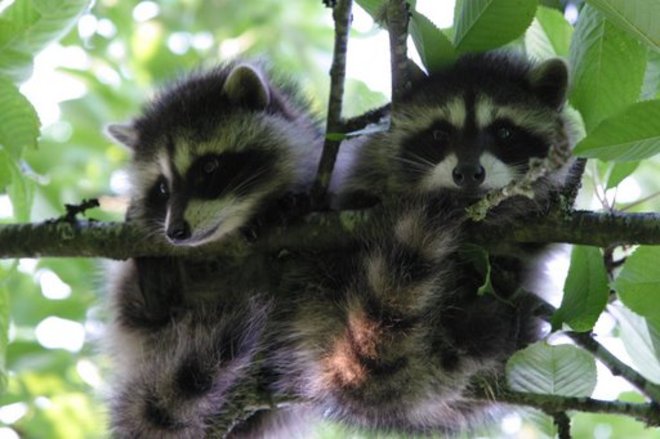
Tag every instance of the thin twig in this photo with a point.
(638, 202)
(645, 412)
(558, 156)
(341, 14)
(574, 182)
(563, 423)
(397, 26)
(361, 121)
(616, 366)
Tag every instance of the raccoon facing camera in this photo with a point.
(468, 129)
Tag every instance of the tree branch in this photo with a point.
(341, 14)
(616, 366)
(600, 229)
(645, 412)
(327, 230)
(397, 25)
(253, 399)
(558, 156)
(361, 121)
(563, 423)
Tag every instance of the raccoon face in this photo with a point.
(210, 153)
(474, 137)
(202, 197)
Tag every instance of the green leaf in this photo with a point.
(638, 284)
(432, 44)
(633, 134)
(373, 8)
(478, 258)
(585, 291)
(651, 86)
(5, 169)
(335, 137)
(362, 98)
(619, 172)
(15, 65)
(4, 330)
(638, 18)
(486, 24)
(21, 193)
(19, 124)
(641, 340)
(552, 370)
(549, 35)
(607, 68)
(28, 26)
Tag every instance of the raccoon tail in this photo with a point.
(392, 336)
(175, 376)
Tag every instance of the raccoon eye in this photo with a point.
(440, 135)
(163, 191)
(211, 165)
(504, 133)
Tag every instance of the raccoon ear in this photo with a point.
(549, 81)
(245, 85)
(124, 133)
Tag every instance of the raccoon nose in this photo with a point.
(468, 174)
(178, 231)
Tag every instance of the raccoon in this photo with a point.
(211, 154)
(391, 334)
(216, 150)
(468, 129)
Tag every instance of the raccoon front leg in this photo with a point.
(149, 292)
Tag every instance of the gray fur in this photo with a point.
(532, 96)
(185, 332)
(390, 335)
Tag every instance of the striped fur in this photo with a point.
(391, 334)
(211, 155)
(491, 112)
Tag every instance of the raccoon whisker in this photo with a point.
(416, 161)
(242, 185)
(421, 167)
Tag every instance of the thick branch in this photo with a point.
(320, 231)
(581, 227)
(342, 15)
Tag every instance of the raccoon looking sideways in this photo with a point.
(210, 154)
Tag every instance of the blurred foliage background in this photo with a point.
(115, 54)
